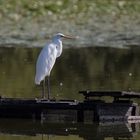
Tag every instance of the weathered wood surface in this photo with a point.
(115, 94)
(76, 111)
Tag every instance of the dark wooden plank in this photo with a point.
(119, 94)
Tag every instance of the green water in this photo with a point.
(94, 68)
(77, 69)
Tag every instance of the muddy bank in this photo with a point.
(98, 23)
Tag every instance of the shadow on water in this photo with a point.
(85, 131)
(31, 128)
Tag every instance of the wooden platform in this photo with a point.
(88, 110)
(116, 94)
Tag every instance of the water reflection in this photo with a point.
(77, 69)
(30, 128)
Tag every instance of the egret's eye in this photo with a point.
(61, 36)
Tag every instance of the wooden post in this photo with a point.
(80, 115)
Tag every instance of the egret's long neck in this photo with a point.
(58, 43)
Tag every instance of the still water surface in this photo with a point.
(77, 69)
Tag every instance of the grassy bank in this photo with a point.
(99, 22)
(69, 9)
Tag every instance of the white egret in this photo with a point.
(46, 61)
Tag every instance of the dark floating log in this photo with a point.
(88, 110)
(115, 94)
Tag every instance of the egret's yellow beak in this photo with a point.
(70, 37)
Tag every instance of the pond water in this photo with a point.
(77, 69)
(95, 68)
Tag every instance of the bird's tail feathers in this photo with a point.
(37, 81)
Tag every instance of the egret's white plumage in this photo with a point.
(47, 58)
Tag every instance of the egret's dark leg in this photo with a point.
(48, 85)
(43, 88)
